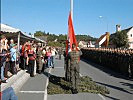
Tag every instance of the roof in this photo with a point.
(83, 42)
(12, 32)
(6, 28)
(44, 38)
(97, 42)
(126, 30)
(100, 38)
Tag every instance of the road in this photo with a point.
(120, 88)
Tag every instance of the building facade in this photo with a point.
(130, 37)
(129, 32)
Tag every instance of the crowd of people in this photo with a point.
(29, 56)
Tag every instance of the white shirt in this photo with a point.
(53, 52)
(44, 52)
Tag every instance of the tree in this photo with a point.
(52, 37)
(55, 44)
(39, 33)
(85, 38)
(120, 39)
(30, 34)
(62, 37)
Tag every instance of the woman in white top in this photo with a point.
(53, 57)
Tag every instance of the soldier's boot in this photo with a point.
(32, 74)
(53, 66)
(74, 91)
(39, 72)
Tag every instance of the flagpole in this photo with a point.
(71, 8)
(71, 11)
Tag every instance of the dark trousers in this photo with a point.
(31, 66)
(23, 62)
(13, 67)
(59, 56)
(67, 70)
(6, 68)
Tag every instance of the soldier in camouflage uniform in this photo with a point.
(131, 64)
(74, 68)
(68, 70)
(39, 60)
(67, 67)
(60, 52)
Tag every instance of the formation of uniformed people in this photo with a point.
(116, 59)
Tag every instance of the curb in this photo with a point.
(16, 81)
(20, 82)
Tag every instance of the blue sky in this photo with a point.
(52, 15)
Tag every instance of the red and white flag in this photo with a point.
(71, 38)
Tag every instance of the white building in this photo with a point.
(129, 32)
(82, 44)
(130, 37)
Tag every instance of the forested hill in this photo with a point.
(62, 37)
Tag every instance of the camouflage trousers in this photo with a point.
(67, 70)
(74, 74)
(39, 64)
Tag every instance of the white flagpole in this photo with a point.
(71, 8)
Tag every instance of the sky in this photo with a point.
(52, 15)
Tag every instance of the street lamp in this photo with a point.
(101, 17)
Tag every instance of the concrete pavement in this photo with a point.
(34, 88)
(120, 88)
(59, 71)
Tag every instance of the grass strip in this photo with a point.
(58, 85)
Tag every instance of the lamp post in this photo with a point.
(101, 17)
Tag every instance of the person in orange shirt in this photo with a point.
(31, 62)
